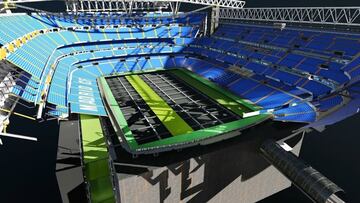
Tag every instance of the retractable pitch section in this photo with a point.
(191, 100)
(198, 106)
(174, 105)
(169, 118)
(214, 103)
(140, 110)
(141, 120)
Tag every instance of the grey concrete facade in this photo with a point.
(233, 173)
(69, 172)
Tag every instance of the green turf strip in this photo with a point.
(118, 115)
(206, 133)
(171, 120)
(95, 154)
(222, 96)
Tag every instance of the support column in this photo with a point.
(214, 18)
(74, 7)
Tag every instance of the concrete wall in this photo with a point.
(69, 173)
(234, 173)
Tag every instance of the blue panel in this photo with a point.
(302, 112)
(337, 76)
(226, 78)
(329, 103)
(301, 118)
(286, 77)
(355, 72)
(257, 68)
(316, 88)
(213, 73)
(257, 93)
(86, 98)
(275, 99)
(241, 86)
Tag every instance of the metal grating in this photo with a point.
(196, 109)
(143, 123)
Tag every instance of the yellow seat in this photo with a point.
(2, 53)
(18, 43)
(11, 47)
(23, 40)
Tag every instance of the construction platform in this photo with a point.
(229, 171)
(164, 110)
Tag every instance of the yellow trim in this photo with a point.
(18, 114)
(48, 79)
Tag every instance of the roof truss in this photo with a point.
(130, 5)
(314, 15)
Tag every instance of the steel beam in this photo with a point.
(130, 5)
(110, 5)
(313, 15)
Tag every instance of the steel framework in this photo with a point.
(315, 15)
(129, 5)
(112, 5)
(93, 18)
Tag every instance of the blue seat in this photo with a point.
(330, 102)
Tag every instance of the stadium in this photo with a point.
(138, 86)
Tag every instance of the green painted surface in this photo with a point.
(95, 155)
(117, 113)
(194, 136)
(169, 118)
(222, 96)
(206, 133)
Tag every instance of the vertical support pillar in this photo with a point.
(67, 7)
(178, 4)
(89, 6)
(96, 6)
(214, 18)
(172, 7)
(205, 26)
(82, 6)
(72, 8)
